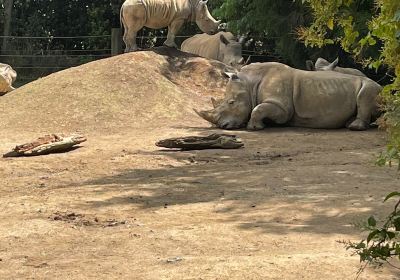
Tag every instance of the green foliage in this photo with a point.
(269, 21)
(375, 44)
(382, 242)
(64, 18)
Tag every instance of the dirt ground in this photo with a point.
(119, 207)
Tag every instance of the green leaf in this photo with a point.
(329, 42)
(371, 221)
(392, 194)
(396, 224)
(360, 245)
(330, 24)
(391, 235)
(371, 41)
(397, 16)
(372, 235)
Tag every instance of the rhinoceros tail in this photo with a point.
(121, 17)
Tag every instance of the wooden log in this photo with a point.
(213, 141)
(45, 145)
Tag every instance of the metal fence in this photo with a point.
(35, 57)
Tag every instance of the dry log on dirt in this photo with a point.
(213, 141)
(47, 144)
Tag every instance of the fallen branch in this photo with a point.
(213, 141)
(45, 145)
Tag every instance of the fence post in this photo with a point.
(8, 9)
(116, 41)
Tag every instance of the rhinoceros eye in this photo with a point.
(230, 102)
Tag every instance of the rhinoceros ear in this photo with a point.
(333, 64)
(232, 76)
(203, 2)
(321, 62)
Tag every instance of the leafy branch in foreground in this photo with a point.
(370, 31)
(383, 242)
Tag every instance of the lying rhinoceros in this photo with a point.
(222, 46)
(135, 14)
(276, 92)
(7, 77)
(324, 65)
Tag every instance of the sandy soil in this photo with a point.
(119, 207)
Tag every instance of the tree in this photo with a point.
(271, 23)
(8, 8)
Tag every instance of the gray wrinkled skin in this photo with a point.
(156, 14)
(284, 95)
(222, 46)
(324, 65)
(7, 77)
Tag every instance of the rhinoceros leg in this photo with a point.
(271, 111)
(130, 38)
(173, 29)
(367, 107)
(132, 24)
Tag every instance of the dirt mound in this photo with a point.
(145, 89)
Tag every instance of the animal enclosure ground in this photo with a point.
(121, 208)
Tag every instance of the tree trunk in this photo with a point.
(8, 8)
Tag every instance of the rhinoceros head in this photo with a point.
(324, 65)
(235, 109)
(204, 19)
(231, 51)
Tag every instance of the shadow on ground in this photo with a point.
(273, 185)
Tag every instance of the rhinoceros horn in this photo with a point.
(333, 64)
(207, 115)
(247, 62)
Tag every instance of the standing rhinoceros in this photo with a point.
(222, 46)
(7, 77)
(135, 14)
(324, 65)
(276, 92)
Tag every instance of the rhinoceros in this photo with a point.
(135, 14)
(7, 77)
(324, 65)
(275, 92)
(222, 46)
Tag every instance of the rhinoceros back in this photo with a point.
(349, 71)
(322, 99)
(160, 13)
(163, 9)
(205, 45)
